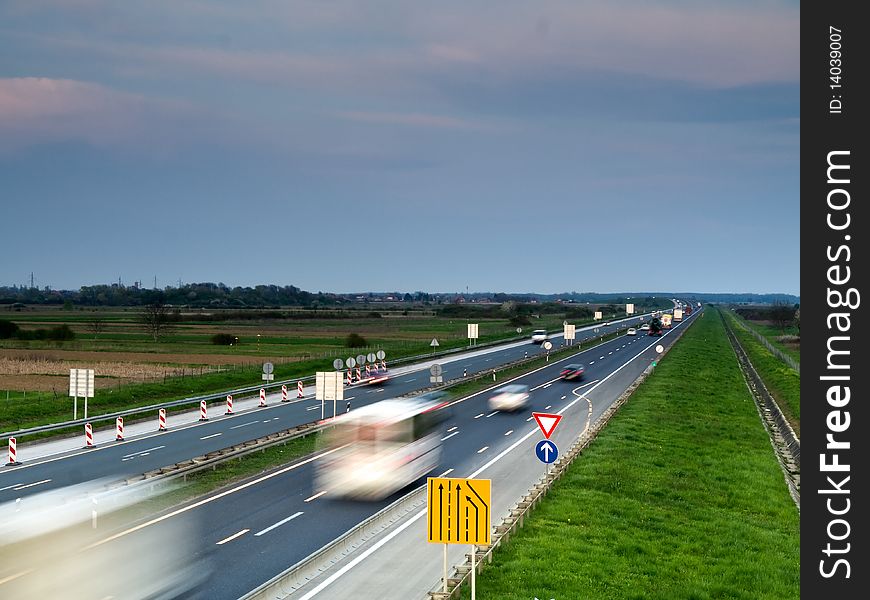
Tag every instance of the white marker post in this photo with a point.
(473, 568)
(445, 569)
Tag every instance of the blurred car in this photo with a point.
(644, 327)
(572, 371)
(375, 378)
(510, 398)
(631, 331)
(539, 336)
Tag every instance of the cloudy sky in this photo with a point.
(548, 146)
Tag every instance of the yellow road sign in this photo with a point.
(459, 511)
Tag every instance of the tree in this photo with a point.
(782, 314)
(96, 326)
(155, 318)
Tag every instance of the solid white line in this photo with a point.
(9, 486)
(482, 449)
(232, 537)
(212, 498)
(29, 485)
(453, 428)
(244, 424)
(495, 412)
(445, 473)
(16, 575)
(449, 436)
(141, 451)
(316, 496)
(211, 436)
(509, 431)
(332, 578)
(278, 524)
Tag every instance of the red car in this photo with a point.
(572, 372)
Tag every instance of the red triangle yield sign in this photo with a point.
(547, 422)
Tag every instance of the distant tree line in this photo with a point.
(60, 333)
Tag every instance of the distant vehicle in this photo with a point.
(572, 372)
(381, 448)
(510, 398)
(678, 314)
(375, 378)
(644, 327)
(655, 326)
(666, 320)
(539, 336)
(631, 331)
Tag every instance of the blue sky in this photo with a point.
(345, 146)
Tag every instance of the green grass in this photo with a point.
(679, 497)
(772, 333)
(780, 379)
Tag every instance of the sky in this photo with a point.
(339, 146)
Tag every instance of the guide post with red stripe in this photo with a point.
(13, 453)
(262, 398)
(161, 419)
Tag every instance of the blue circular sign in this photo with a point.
(546, 451)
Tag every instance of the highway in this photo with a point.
(141, 453)
(255, 530)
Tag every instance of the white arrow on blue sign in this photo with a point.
(546, 451)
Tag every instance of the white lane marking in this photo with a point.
(29, 485)
(452, 428)
(563, 397)
(546, 385)
(212, 435)
(482, 449)
(600, 358)
(9, 486)
(529, 419)
(548, 407)
(410, 380)
(585, 384)
(316, 496)
(509, 431)
(16, 575)
(478, 416)
(468, 365)
(609, 353)
(244, 424)
(379, 390)
(144, 452)
(340, 573)
(350, 397)
(232, 537)
(495, 412)
(449, 436)
(445, 473)
(211, 498)
(487, 359)
(278, 524)
(315, 407)
(591, 362)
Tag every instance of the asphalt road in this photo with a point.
(253, 531)
(142, 453)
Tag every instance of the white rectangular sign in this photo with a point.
(268, 376)
(81, 383)
(329, 385)
(598, 315)
(472, 331)
(569, 332)
(629, 309)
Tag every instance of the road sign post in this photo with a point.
(472, 334)
(434, 344)
(81, 383)
(435, 374)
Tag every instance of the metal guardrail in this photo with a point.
(516, 516)
(195, 400)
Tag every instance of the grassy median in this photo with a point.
(681, 496)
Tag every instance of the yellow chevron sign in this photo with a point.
(459, 511)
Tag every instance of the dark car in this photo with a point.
(572, 371)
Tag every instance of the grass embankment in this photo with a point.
(781, 380)
(772, 333)
(679, 497)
